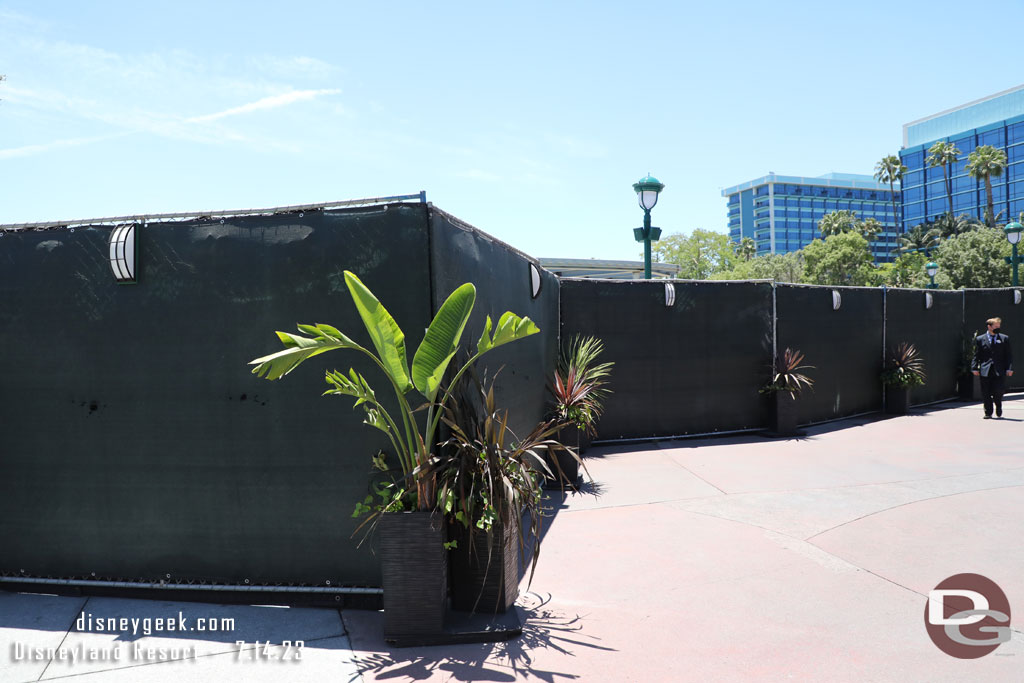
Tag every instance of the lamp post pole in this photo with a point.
(647, 190)
(646, 248)
(1013, 233)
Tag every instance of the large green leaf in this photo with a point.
(442, 340)
(387, 336)
(510, 327)
(299, 348)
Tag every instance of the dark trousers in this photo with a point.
(992, 388)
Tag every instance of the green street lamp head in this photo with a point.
(931, 268)
(1013, 231)
(647, 190)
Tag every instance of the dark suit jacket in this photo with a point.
(992, 358)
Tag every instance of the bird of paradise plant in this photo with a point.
(413, 444)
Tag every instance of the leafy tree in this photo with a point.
(984, 163)
(921, 237)
(944, 154)
(890, 170)
(907, 270)
(975, 259)
(747, 248)
(843, 259)
(699, 254)
(787, 267)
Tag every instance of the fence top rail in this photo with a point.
(190, 215)
(463, 225)
(662, 280)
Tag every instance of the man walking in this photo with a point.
(993, 362)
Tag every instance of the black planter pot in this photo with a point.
(897, 400)
(564, 468)
(414, 567)
(965, 387)
(484, 579)
(782, 414)
(585, 442)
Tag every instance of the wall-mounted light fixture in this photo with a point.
(124, 256)
(837, 299)
(670, 294)
(928, 300)
(535, 281)
(1016, 296)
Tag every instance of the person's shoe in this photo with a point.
(987, 417)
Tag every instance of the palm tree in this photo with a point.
(950, 226)
(747, 248)
(890, 170)
(837, 222)
(944, 154)
(921, 237)
(987, 162)
(869, 228)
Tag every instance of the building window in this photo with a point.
(996, 138)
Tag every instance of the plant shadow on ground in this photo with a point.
(543, 629)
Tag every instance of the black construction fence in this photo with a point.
(697, 366)
(137, 446)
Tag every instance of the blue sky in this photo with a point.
(529, 120)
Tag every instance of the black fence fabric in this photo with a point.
(137, 444)
(689, 368)
(503, 279)
(842, 344)
(933, 323)
(696, 367)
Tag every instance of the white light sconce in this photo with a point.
(928, 300)
(124, 256)
(837, 300)
(1016, 296)
(535, 281)
(670, 294)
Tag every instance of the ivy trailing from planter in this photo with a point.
(488, 478)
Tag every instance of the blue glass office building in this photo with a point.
(781, 213)
(997, 120)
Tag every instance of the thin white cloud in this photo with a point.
(29, 150)
(272, 102)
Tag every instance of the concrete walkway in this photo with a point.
(736, 558)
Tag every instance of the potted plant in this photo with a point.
(413, 558)
(786, 384)
(488, 481)
(964, 377)
(904, 368)
(579, 389)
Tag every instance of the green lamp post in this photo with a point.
(931, 268)
(1013, 231)
(647, 191)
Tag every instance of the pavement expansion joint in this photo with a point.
(912, 502)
